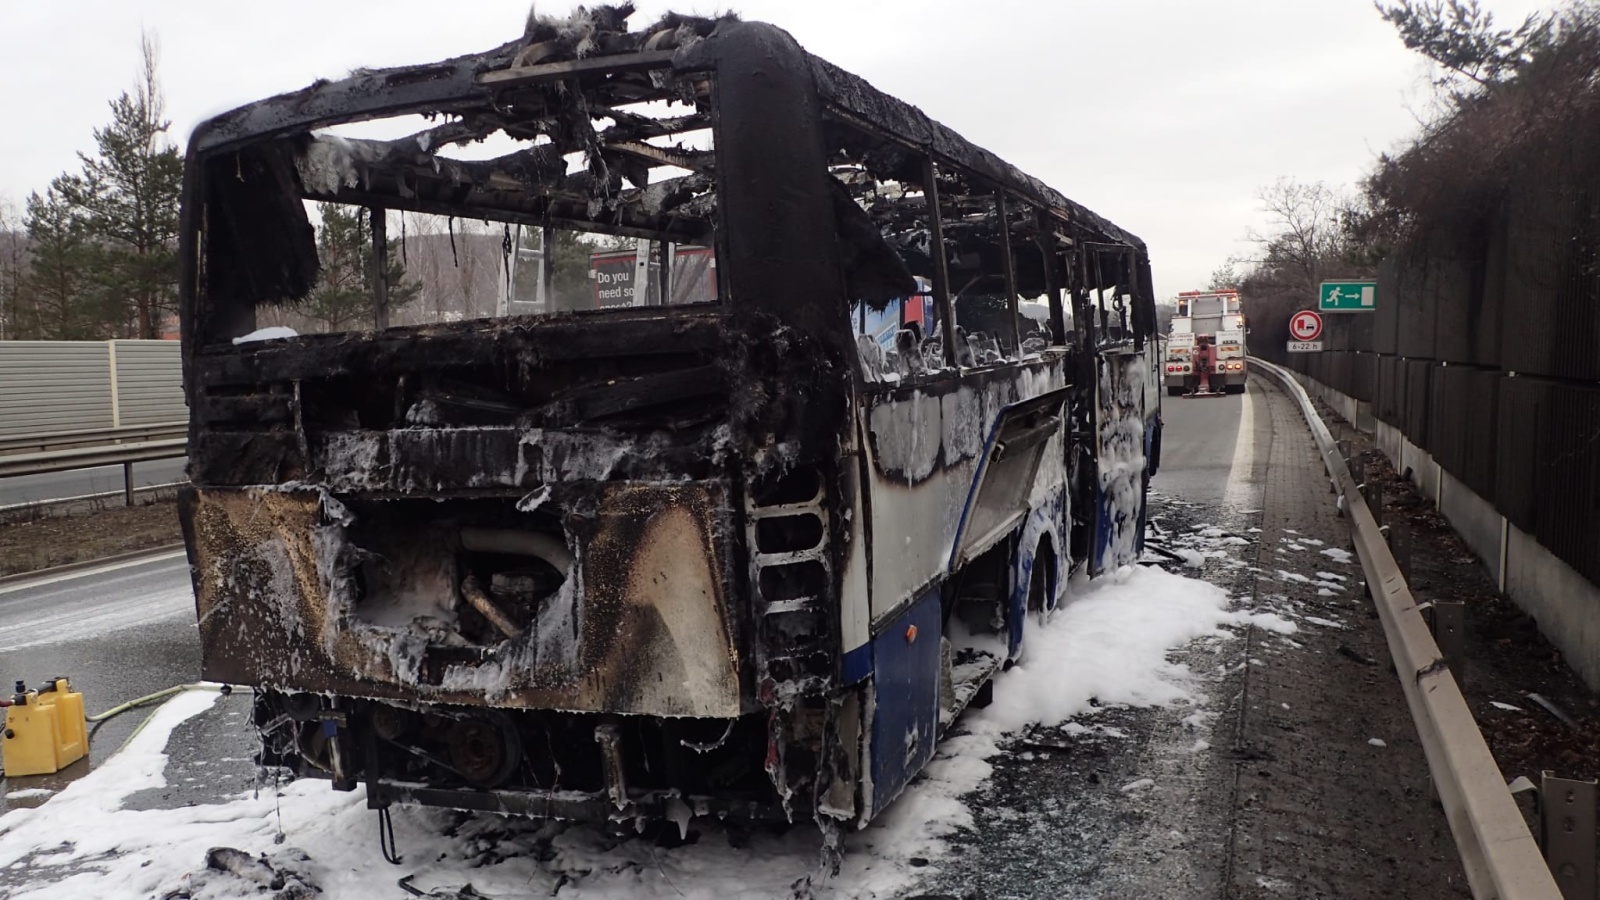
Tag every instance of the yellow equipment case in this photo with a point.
(44, 731)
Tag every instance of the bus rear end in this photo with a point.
(583, 564)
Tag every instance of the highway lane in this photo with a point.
(76, 483)
(1171, 846)
(1209, 450)
(89, 604)
(118, 631)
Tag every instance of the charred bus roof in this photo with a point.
(570, 91)
(509, 88)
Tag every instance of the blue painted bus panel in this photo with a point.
(906, 722)
(857, 663)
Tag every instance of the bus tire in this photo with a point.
(1040, 577)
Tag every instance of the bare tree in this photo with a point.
(1305, 242)
(13, 267)
(1304, 236)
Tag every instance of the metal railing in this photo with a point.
(64, 451)
(62, 440)
(1500, 856)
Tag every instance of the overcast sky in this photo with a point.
(1165, 116)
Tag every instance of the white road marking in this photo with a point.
(86, 573)
(79, 622)
(1240, 490)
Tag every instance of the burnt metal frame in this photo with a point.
(1134, 263)
(1010, 268)
(473, 84)
(848, 98)
(470, 86)
(941, 270)
(782, 261)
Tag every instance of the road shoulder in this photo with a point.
(1332, 794)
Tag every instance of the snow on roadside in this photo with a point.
(1111, 642)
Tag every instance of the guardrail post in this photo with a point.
(1399, 536)
(127, 483)
(1566, 814)
(1372, 492)
(1450, 633)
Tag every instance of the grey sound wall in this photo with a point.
(48, 386)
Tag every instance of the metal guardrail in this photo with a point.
(28, 510)
(62, 440)
(64, 451)
(13, 464)
(1500, 856)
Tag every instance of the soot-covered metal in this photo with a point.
(587, 563)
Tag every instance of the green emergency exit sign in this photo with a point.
(1348, 296)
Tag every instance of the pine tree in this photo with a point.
(13, 269)
(1463, 38)
(60, 253)
(343, 297)
(128, 194)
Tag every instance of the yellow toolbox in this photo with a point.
(44, 731)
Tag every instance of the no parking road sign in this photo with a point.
(1304, 329)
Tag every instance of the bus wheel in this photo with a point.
(1044, 560)
(485, 749)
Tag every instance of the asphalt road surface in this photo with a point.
(119, 632)
(1201, 439)
(78, 482)
(1053, 821)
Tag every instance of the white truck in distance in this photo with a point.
(1216, 314)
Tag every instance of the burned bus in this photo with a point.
(718, 552)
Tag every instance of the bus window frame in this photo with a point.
(944, 306)
(215, 319)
